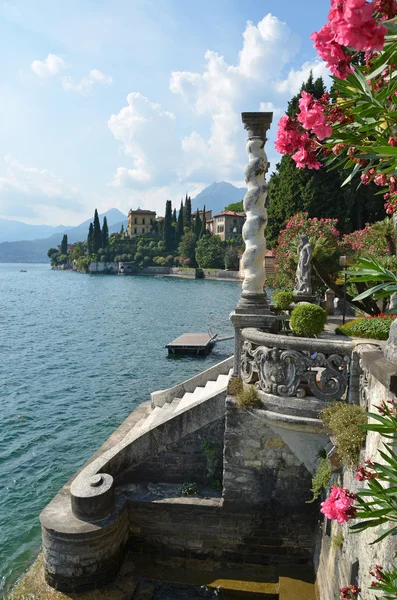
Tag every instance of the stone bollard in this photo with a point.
(329, 301)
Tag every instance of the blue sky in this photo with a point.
(125, 103)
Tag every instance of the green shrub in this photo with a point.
(248, 398)
(235, 386)
(188, 489)
(344, 421)
(282, 300)
(376, 328)
(159, 260)
(308, 319)
(321, 479)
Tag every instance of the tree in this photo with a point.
(232, 258)
(203, 224)
(64, 244)
(51, 251)
(168, 233)
(197, 224)
(180, 225)
(122, 229)
(97, 237)
(105, 233)
(90, 240)
(174, 217)
(236, 206)
(210, 252)
(317, 192)
(187, 212)
(78, 251)
(187, 246)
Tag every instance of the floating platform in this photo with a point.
(192, 343)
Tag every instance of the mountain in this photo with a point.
(11, 231)
(216, 196)
(36, 250)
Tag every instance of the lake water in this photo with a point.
(78, 353)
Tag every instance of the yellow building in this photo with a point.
(227, 224)
(140, 221)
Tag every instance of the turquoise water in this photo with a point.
(78, 353)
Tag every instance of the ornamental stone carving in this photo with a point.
(290, 372)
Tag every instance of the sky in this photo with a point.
(126, 103)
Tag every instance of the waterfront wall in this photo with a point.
(341, 561)
(124, 268)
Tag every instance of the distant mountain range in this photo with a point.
(20, 242)
(36, 250)
(216, 196)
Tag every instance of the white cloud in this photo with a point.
(146, 132)
(291, 85)
(48, 67)
(24, 189)
(260, 79)
(85, 85)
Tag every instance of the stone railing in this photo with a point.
(286, 366)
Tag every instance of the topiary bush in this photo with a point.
(376, 328)
(308, 319)
(282, 300)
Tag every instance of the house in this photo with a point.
(140, 221)
(227, 224)
(70, 248)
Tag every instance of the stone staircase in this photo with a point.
(171, 408)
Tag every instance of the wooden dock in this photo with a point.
(192, 343)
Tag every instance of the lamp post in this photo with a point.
(253, 309)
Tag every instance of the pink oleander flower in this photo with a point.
(350, 592)
(339, 505)
(367, 177)
(288, 136)
(338, 148)
(365, 474)
(305, 157)
(387, 8)
(337, 60)
(392, 141)
(380, 179)
(312, 116)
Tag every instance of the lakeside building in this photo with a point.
(227, 224)
(140, 221)
(69, 250)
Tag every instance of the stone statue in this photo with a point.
(303, 283)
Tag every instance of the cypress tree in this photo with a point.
(203, 224)
(187, 213)
(90, 240)
(174, 219)
(97, 239)
(105, 233)
(197, 224)
(122, 229)
(180, 225)
(168, 235)
(64, 244)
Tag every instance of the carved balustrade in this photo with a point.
(286, 366)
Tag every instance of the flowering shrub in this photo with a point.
(324, 238)
(355, 125)
(364, 241)
(376, 327)
(350, 592)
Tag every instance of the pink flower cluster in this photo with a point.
(350, 592)
(350, 24)
(339, 505)
(312, 116)
(367, 472)
(392, 408)
(291, 137)
(377, 572)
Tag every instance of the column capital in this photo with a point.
(257, 123)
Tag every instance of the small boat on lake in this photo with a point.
(23, 271)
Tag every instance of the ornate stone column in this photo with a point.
(252, 309)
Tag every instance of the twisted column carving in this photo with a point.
(254, 205)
